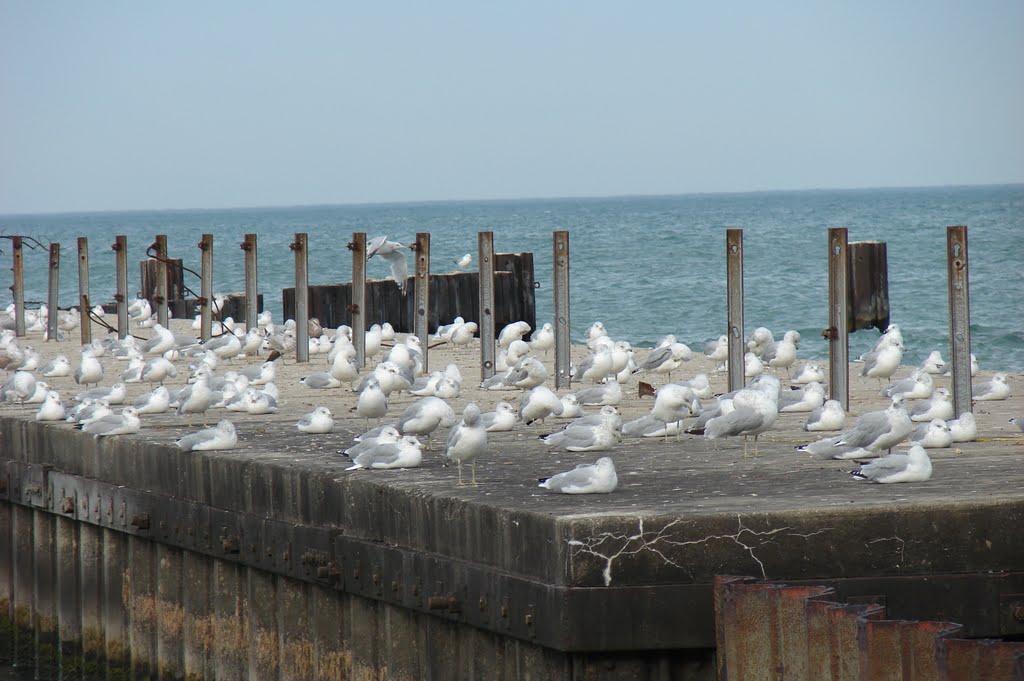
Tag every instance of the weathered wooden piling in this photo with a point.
(172, 290)
(421, 252)
(358, 306)
(485, 267)
(120, 249)
(959, 317)
(734, 302)
(837, 333)
(206, 288)
(53, 292)
(83, 290)
(18, 288)
(560, 283)
(869, 286)
(301, 248)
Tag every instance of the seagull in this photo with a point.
(125, 423)
(934, 364)
(939, 406)
(717, 350)
(465, 261)
(319, 380)
(571, 407)
(89, 368)
(221, 436)
(1016, 421)
(596, 478)
(156, 402)
(995, 389)
(538, 404)
(755, 410)
(501, 420)
(884, 362)
(197, 401)
(467, 440)
(317, 421)
(579, 436)
(918, 386)
(914, 466)
(19, 387)
(666, 359)
(543, 339)
(512, 332)
(808, 399)
(809, 373)
(392, 252)
(932, 435)
(258, 402)
(600, 395)
(873, 432)
(114, 394)
(58, 367)
(372, 403)
(52, 409)
(405, 453)
(673, 403)
(829, 416)
(425, 416)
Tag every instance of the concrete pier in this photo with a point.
(124, 557)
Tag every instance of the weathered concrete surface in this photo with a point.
(684, 511)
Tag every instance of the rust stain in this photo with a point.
(265, 649)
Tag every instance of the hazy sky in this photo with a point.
(124, 105)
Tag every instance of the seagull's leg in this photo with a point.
(459, 464)
(744, 446)
(475, 483)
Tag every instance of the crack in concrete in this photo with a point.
(642, 540)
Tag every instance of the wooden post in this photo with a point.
(300, 246)
(838, 306)
(359, 317)
(734, 289)
(83, 290)
(52, 300)
(206, 288)
(121, 257)
(563, 341)
(162, 292)
(19, 286)
(485, 258)
(252, 291)
(959, 317)
(422, 316)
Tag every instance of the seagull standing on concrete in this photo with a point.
(467, 440)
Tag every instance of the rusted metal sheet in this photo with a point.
(774, 631)
(869, 285)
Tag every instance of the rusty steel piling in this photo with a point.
(19, 285)
(560, 279)
(422, 292)
(485, 258)
(161, 280)
(734, 301)
(301, 248)
(120, 249)
(358, 308)
(837, 333)
(53, 292)
(252, 291)
(206, 288)
(959, 317)
(83, 290)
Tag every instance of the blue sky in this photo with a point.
(136, 105)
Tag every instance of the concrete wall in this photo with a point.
(82, 601)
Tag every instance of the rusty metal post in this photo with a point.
(52, 299)
(959, 317)
(485, 256)
(121, 257)
(161, 280)
(422, 316)
(252, 291)
(301, 248)
(19, 286)
(560, 278)
(837, 333)
(83, 290)
(359, 317)
(206, 288)
(734, 287)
